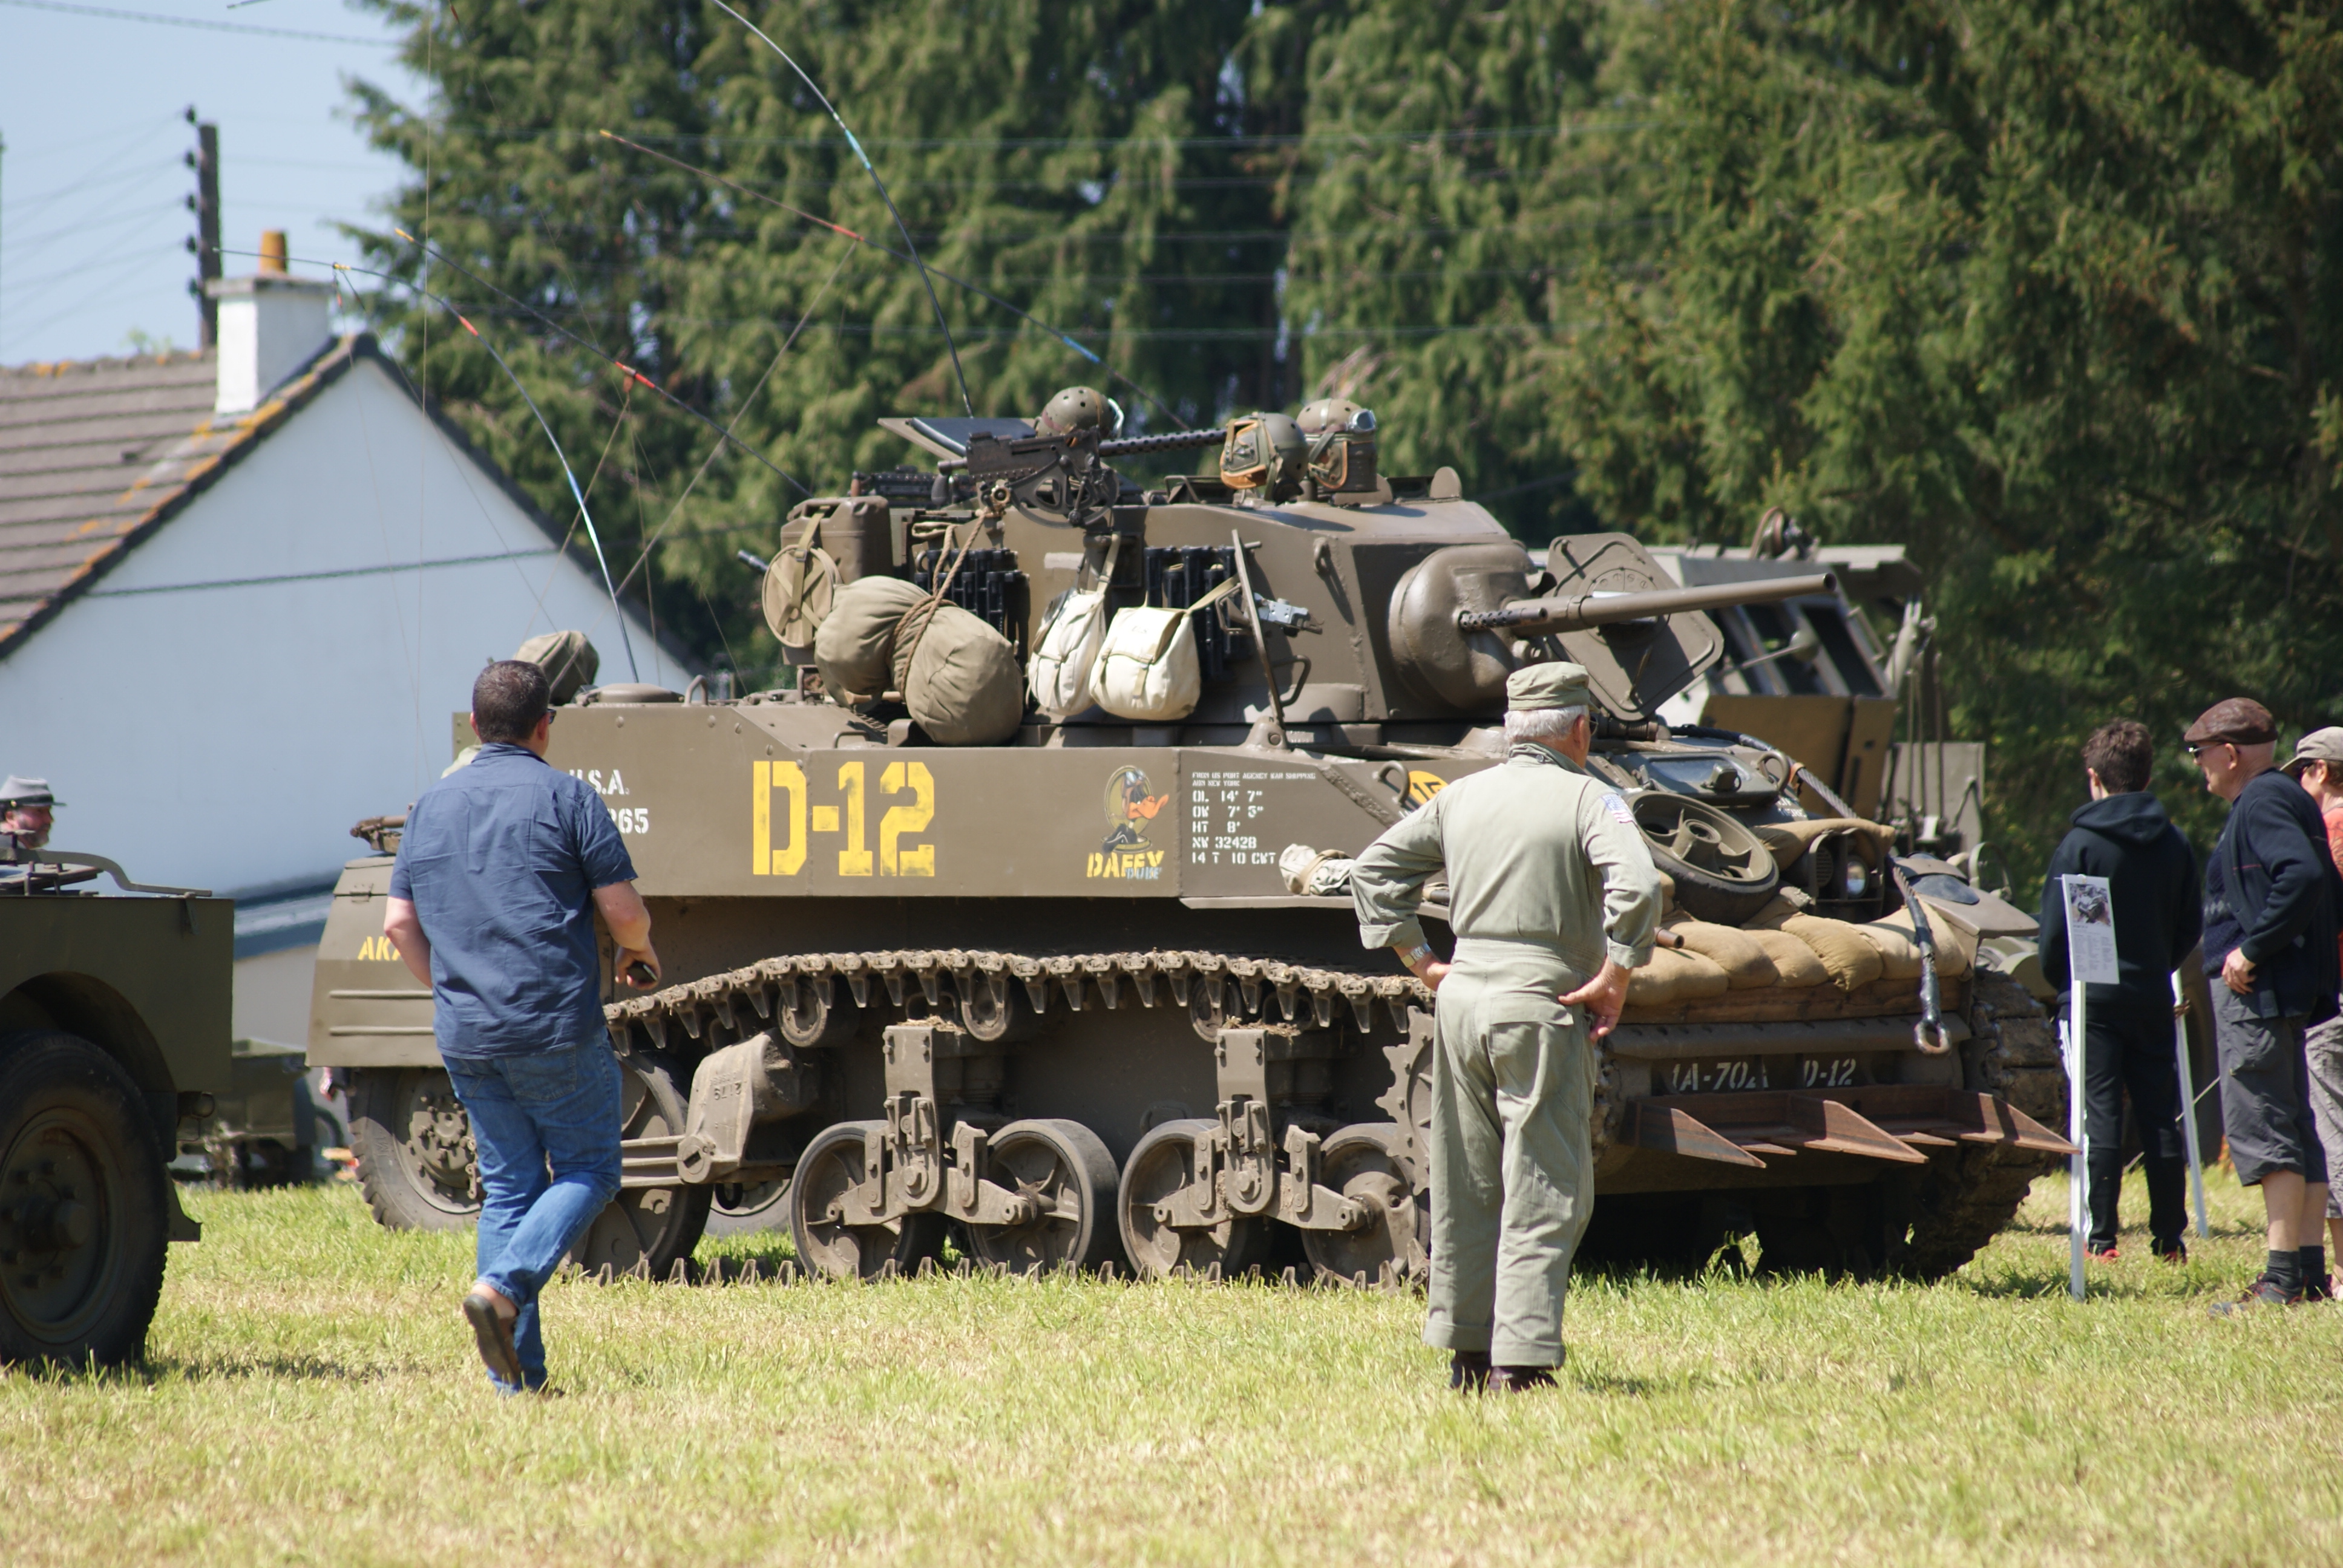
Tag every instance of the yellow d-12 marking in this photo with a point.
(800, 819)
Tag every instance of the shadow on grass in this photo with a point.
(158, 1370)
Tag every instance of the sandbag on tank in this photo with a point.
(855, 647)
(1852, 961)
(958, 677)
(569, 661)
(1735, 951)
(1675, 975)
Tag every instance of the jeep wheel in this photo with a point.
(83, 1205)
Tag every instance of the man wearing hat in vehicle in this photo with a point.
(2272, 902)
(2318, 766)
(1553, 898)
(27, 809)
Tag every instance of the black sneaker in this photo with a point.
(1518, 1379)
(2263, 1293)
(2321, 1288)
(1468, 1371)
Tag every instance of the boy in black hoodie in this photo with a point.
(2124, 836)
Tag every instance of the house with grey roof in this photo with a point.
(242, 591)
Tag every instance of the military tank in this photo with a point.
(1087, 992)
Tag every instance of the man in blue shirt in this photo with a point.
(502, 867)
(2272, 899)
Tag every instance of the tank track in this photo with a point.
(1969, 1198)
(1212, 986)
(1964, 1200)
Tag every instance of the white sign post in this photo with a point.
(2188, 1101)
(2090, 961)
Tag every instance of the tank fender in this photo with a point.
(733, 1091)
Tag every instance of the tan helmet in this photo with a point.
(1264, 451)
(1080, 408)
(1341, 445)
(1333, 414)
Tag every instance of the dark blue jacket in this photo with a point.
(2271, 892)
(501, 859)
(2151, 874)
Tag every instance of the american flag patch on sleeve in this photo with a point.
(1618, 807)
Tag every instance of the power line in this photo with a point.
(318, 577)
(109, 13)
(1338, 139)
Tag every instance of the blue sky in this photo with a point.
(93, 218)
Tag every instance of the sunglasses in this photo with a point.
(2200, 746)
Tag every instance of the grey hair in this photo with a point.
(1545, 725)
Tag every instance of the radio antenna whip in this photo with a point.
(927, 282)
(978, 289)
(621, 366)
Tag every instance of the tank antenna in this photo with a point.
(570, 474)
(978, 289)
(929, 283)
(621, 366)
(558, 455)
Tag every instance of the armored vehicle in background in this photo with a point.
(113, 1037)
(1089, 992)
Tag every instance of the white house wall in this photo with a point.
(212, 724)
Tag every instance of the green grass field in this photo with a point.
(312, 1396)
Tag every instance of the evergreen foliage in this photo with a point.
(2034, 289)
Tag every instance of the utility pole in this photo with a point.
(205, 204)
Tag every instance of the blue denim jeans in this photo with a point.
(557, 1108)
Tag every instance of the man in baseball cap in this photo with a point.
(2318, 766)
(2273, 904)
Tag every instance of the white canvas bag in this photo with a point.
(1148, 671)
(1059, 675)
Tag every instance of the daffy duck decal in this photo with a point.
(1129, 809)
(1131, 805)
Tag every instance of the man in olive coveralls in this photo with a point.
(1552, 896)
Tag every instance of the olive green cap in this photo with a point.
(1555, 685)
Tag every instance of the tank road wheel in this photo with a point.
(1363, 1164)
(1723, 871)
(653, 1224)
(414, 1148)
(1067, 1173)
(1163, 1162)
(83, 1205)
(749, 1210)
(809, 1023)
(830, 1168)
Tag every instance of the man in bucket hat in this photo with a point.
(1553, 898)
(2271, 905)
(2318, 766)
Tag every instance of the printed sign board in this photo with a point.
(2090, 930)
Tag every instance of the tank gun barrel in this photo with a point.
(1580, 612)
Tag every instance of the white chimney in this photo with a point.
(270, 325)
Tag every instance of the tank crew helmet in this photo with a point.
(1341, 437)
(1264, 452)
(1080, 408)
(1330, 413)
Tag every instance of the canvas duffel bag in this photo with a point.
(1148, 669)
